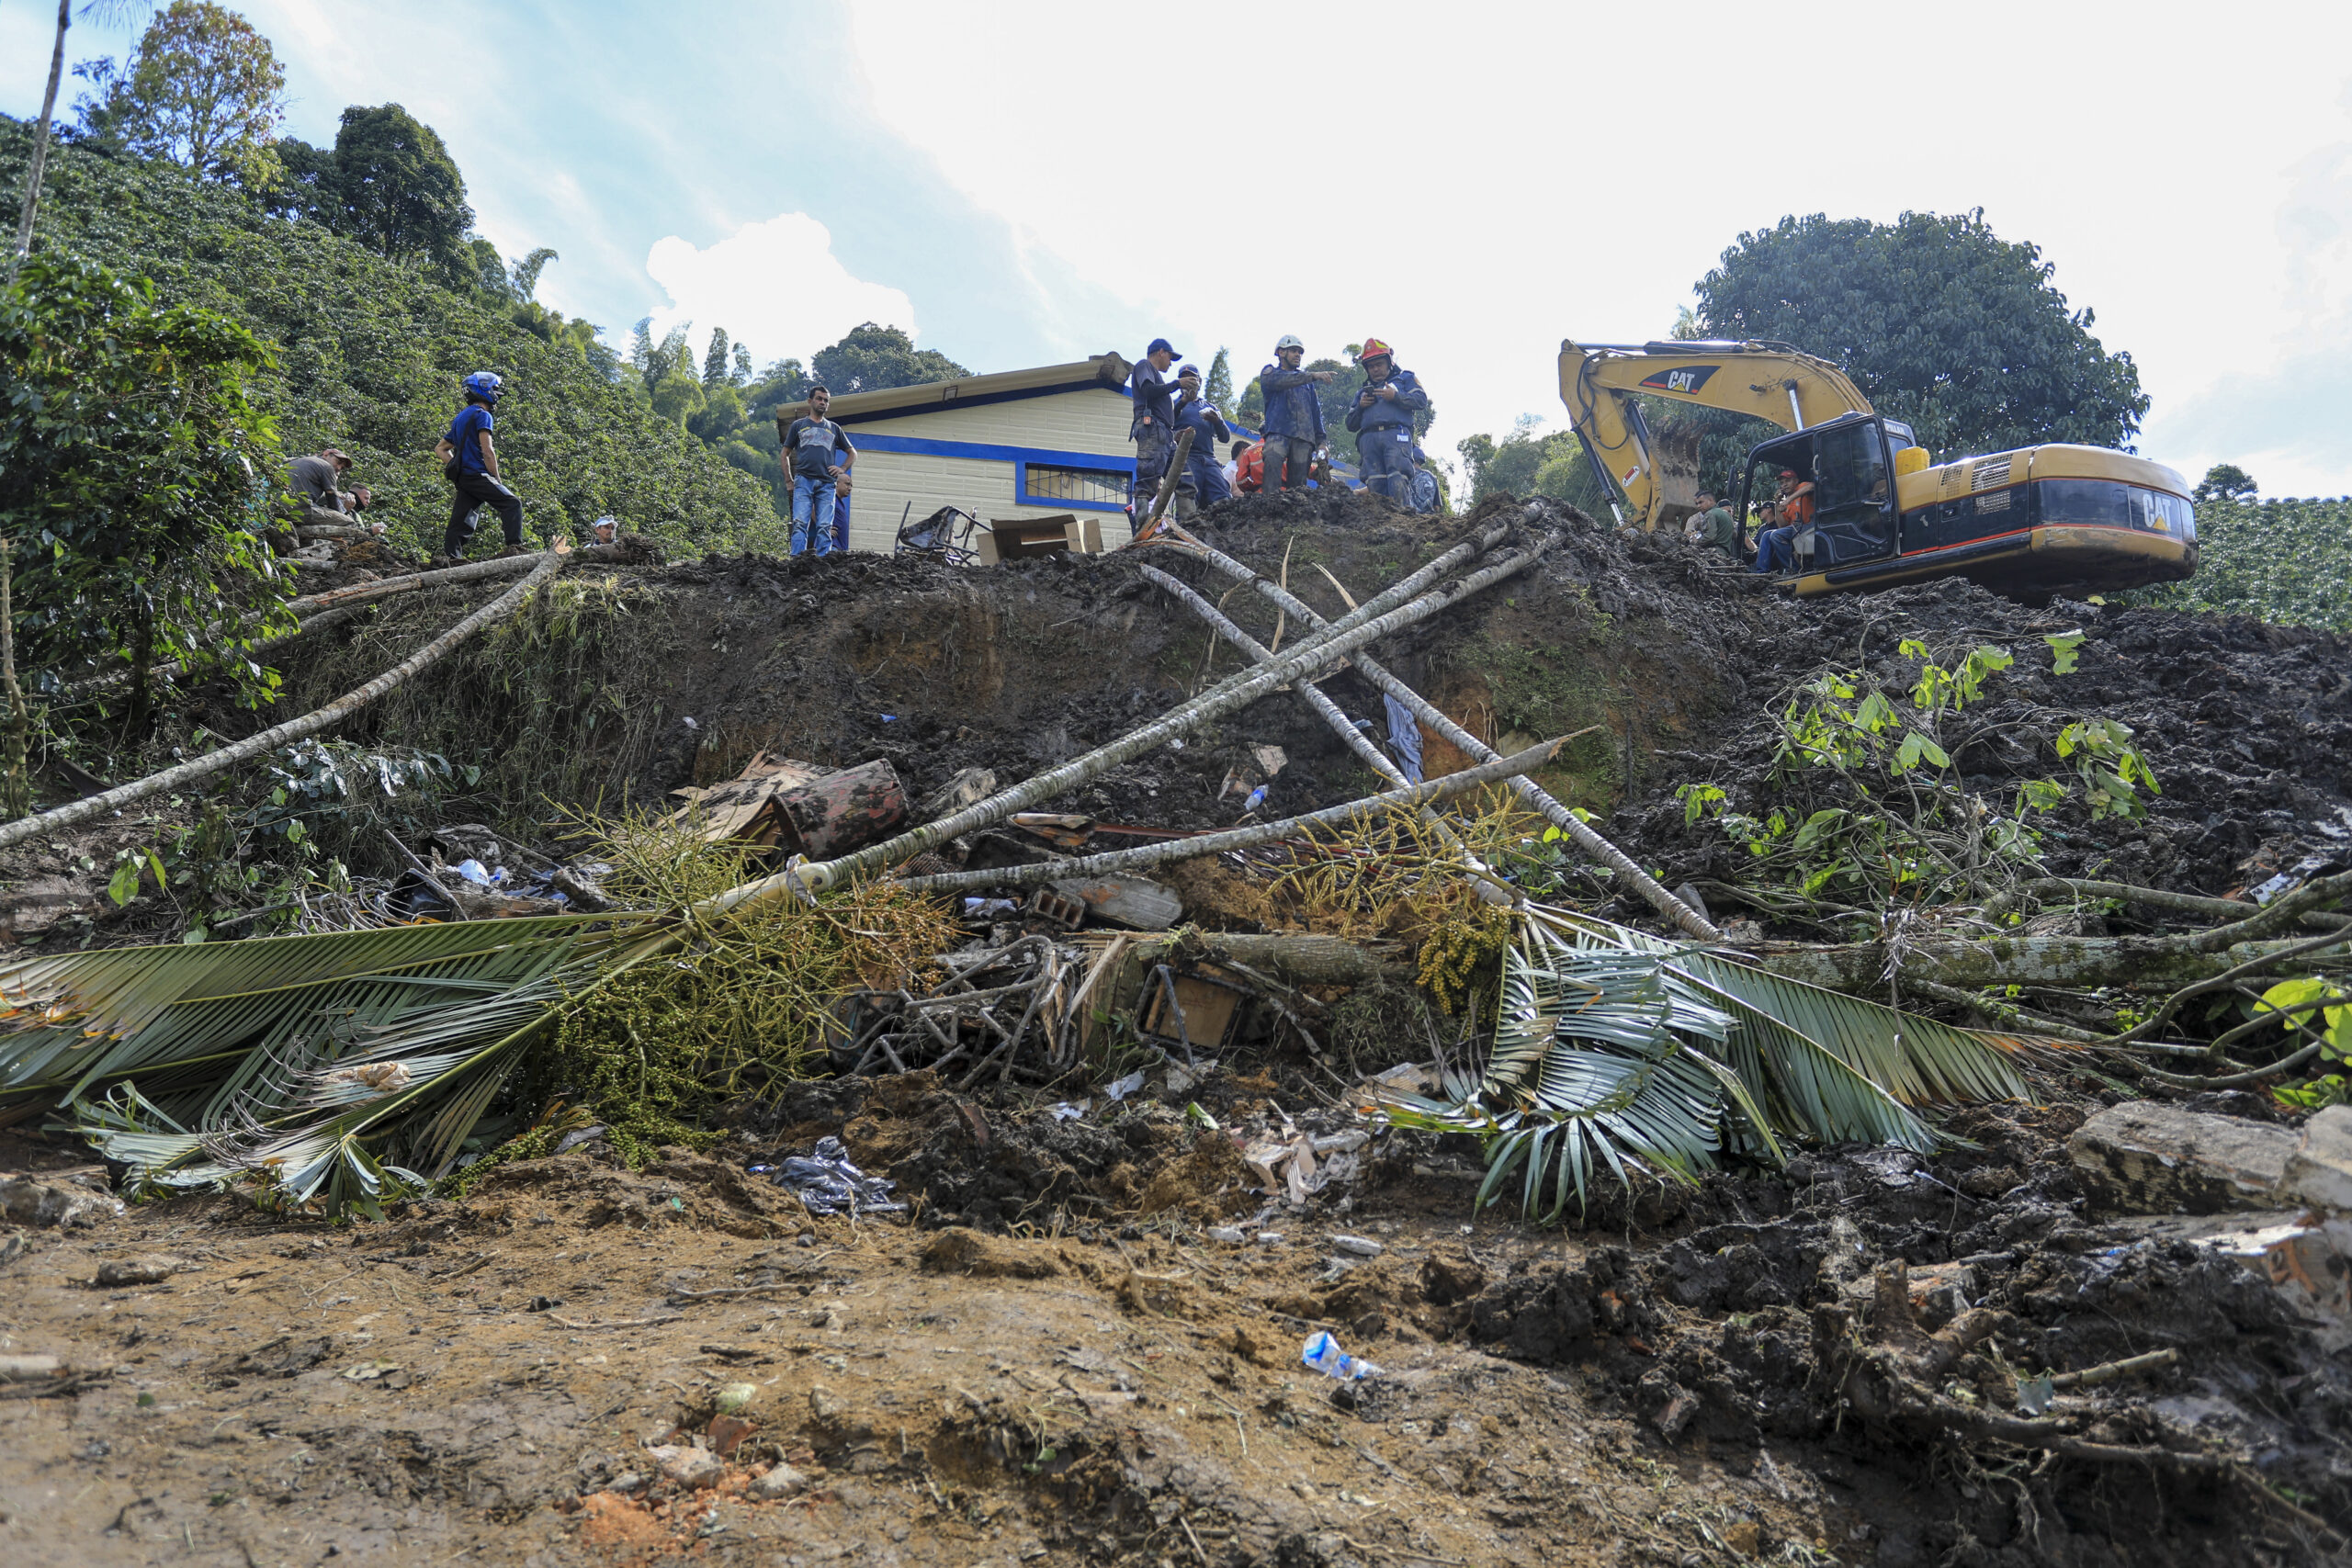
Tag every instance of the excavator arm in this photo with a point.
(1769, 380)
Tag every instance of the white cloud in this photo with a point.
(775, 285)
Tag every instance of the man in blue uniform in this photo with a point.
(470, 459)
(1153, 426)
(1204, 484)
(1383, 421)
(1294, 418)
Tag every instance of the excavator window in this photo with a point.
(1853, 510)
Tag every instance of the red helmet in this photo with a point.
(1375, 349)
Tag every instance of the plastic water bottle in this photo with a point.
(1323, 1353)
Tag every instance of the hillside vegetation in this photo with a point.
(369, 353)
(2289, 562)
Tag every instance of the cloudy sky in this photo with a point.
(1019, 184)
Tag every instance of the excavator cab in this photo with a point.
(1850, 514)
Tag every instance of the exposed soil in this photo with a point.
(1049, 1361)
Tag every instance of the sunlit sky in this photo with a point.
(1022, 184)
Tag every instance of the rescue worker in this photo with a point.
(1203, 480)
(1792, 509)
(469, 462)
(1383, 421)
(1713, 527)
(317, 482)
(1153, 426)
(1249, 465)
(1293, 416)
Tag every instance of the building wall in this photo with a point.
(1086, 428)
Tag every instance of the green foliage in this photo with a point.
(388, 183)
(203, 90)
(1939, 320)
(2225, 481)
(870, 358)
(129, 439)
(1872, 810)
(2288, 563)
(372, 352)
(1528, 463)
(1219, 391)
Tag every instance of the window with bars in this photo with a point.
(1098, 487)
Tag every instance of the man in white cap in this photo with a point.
(1293, 417)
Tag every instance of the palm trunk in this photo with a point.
(2054, 961)
(14, 740)
(333, 713)
(1376, 619)
(1592, 843)
(40, 143)
(1411, 797)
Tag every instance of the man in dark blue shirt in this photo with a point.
(469, 461)
(818, 451)
(1293, 417)
(1382, 421)
(1203, 482)
(1153, 426)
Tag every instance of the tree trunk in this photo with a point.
(16, 792)
(2156, 963)
(335, 713)
(1300, 958)
(40, 143)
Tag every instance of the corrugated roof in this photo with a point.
(1106, 370)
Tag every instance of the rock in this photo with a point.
(24, 1202)
(691, 1468)
(782, 1480)
(727, 1434)
(151, 1269)
(2320, 1171)
(2153, 1159)
(1361, 1246)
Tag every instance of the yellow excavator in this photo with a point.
(2032, 522)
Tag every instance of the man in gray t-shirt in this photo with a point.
(317, 481)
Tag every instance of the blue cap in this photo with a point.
(1161, 345)
(1188, 370)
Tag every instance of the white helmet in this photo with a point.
(1288, 340)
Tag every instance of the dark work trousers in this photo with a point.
(475, 491)
(1154, 445)
(1387, 452)
(1295, 451)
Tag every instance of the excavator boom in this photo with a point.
(1771, 381)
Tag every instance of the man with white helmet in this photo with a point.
(1293, 417)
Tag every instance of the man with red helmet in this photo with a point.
(1383, 421)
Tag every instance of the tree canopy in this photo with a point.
(871, 356)
(389, 182)
(2226, 481)
(202, 90)
(1939, 320)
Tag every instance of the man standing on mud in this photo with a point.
(1153, 426)
(470, 459)
(1383, 421)
(816, 445)
(1293, 417)
(1204, 484)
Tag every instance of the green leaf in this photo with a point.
(2066, 649)
(123, 886)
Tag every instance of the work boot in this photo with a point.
(440, 563)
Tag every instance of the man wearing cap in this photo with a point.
(1204, 481)
(1382, 421)
(1791, 510)
(317, 482)
(1713, 527)
(1153, 428)
(1293, 417)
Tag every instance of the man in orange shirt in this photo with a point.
(1792, 509)
(1249, 468)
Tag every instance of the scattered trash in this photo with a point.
(1065, 1111)
(980, 908)
(1198, 1117)
(828, 1183)
(370, 1371)
(1363, 1246)
(1270, 1238)
(1323, 1353)
(1119, 1089)
(2034, 1395)
(1257, 798)
(1232, 1236)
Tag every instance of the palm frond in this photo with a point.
(1616, 1049)
(309, 1065)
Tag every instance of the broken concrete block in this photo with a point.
(2320, 1171)
(690, 1468)
(2153, 1159)
(2309, 1265)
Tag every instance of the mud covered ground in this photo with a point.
(1051, 1360)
